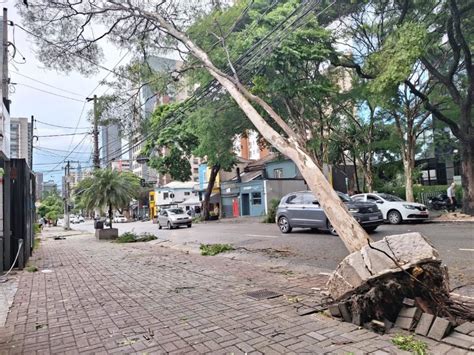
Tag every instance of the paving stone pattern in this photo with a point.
(102, 297)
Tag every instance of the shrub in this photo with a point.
(130, 237)
(214, 249)
(270, 217)
(32, 268)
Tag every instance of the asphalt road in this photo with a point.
(259, 242)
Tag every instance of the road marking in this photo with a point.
(261, 235)
(466, 249)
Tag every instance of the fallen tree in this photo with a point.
(127, 21)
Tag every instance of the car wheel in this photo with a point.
(370, 229)
(159, 226)
(189, 225)
(331, 229)
(169, 225)
(284, 225)
(394, 217)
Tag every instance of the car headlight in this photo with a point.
(353, 210)
(409, 207)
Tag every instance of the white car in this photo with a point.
(394, 209)
(77, 219)
(119, 219)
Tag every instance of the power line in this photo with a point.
(48, 92)
(58, 126)
(57, 150)
(63, 135)
(67, 156)
(51, 86)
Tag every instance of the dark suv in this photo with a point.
(301, 209)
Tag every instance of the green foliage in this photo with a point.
(108, 188)
(270, 217)
(37, 229)
(36, 243)
(130, 237)
(214, 249)
(51, 207)
(409, 343)
(394, 62)
(31, 268)
(418, 190)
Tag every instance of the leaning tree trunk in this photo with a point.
(207, 195)
(349, 230)
(110, 216)
(467, 177)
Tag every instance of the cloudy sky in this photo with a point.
(36, 91)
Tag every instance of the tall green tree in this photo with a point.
(391, 38)
(109, 189)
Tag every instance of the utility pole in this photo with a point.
(66, 196)
(95, 133)
(5, 79)
(32, 126)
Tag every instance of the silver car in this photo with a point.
(301, 209)
(173, 218)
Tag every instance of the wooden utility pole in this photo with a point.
(95, 133)
(66, 196)
(5, 80)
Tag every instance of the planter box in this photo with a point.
(106, 234)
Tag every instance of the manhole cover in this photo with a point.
(263, 294)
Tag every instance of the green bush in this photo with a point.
(408, 343)
(130, 237)
(419, 189)
(270, 217)
(214, 249)
(37, 229)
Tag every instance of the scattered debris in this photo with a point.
(46, 271)
(130, 237)
(214, 249)
(408, 343)
(32, 268)
(180, 289)
(58, 237)
(40, 326)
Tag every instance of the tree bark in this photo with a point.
(207, 195)
(467, 178)
(110, 216)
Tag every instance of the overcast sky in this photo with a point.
(46, 107)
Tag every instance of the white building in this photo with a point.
(121, 165)
(20, 138)
(175, 192)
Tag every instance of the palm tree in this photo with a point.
(108, 188)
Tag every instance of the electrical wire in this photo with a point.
(58, 126)
(63, 135)
(45, 84)
(67, 156)
(48, 92)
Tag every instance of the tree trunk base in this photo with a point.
(372, 284)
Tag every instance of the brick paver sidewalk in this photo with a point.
(102, 297)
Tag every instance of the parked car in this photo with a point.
(301, 209)
(120, 219)
(77, 219)
(394, 209)
(173, 218)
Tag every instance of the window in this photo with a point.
(256, 198)
(195, 161)
(165, 195)
(278, 173)
(187, 193)
(195, 170)
(309, 199)
(295, 200)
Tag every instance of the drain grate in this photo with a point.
(263, 294)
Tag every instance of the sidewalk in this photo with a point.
(102, 297)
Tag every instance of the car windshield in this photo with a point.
(176, 211)
(344, 197)
(390, 198)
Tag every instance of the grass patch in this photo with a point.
(130, 237)
(32, 268)
(36, 243)
(408, 343)
(214, 249)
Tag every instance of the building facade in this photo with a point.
(39, 186)
(20, 139)
(121, 165)
(247, 146)
(111, 144)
